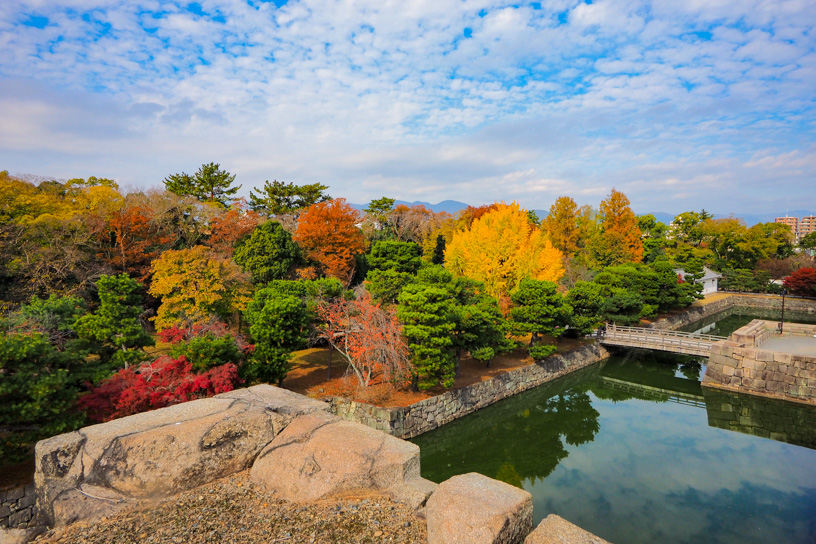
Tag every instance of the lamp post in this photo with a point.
(784, 292)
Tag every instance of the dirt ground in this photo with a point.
(309, 376)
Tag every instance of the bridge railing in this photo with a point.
(612, 329)
(660, 339)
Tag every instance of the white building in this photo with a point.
(710, 279)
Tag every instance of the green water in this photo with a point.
(634, 450)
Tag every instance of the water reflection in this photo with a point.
(634, 450)
(521, 438)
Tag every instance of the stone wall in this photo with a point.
(740, 364)
(17, 509)
(428, 414)
(767, 303)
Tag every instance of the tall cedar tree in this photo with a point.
(619, 241)
(208, 184)
(328, 235)
(279, 198)
(502, 248)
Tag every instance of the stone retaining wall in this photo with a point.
(17, 510)
(740, 364)
(770, 303)
(428, 414)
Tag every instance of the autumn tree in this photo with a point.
(230, 226)
(620, 237)
(501, 249)
(114, 332)
(164, 382)
(562, 225)
(369, 338)
(327, 233)
(194, 284)
(268, 253)
(208, 184)
(802, 282)
(132, 239)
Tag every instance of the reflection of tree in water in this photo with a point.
(520, 438)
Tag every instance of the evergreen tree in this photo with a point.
(208, 184)
(114, 332)
(279, 198)
(268, 253)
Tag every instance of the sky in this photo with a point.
(681, 105)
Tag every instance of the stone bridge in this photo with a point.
(686, 343)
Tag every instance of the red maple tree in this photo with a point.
(164, 382)
(802, 282)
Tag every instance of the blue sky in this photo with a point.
(680, 105)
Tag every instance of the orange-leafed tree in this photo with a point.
(328, 234)
(502, 248)
(620, 238)
(369, 338)
(132, 239)
(562, 225)
(231, 225)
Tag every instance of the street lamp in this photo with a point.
(784, 292)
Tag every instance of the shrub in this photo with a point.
(541, 351)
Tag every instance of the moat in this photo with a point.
(634, 450)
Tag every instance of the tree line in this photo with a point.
(92, 276)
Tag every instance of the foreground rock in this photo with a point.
(319, 456)
(479, 510)
(556, 530)
(234, 510)
(93, 471)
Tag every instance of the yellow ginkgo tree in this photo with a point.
(195, 284)
(501, 248)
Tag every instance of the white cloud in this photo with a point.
(370, 95)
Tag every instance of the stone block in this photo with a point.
(161, 452)
(319, 456)
(780, 357)
(478, 510)
(764, 355)
(556, 530)
(728, 371)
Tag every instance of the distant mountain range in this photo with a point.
(453, 206)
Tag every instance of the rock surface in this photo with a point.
(319, 456)
(556, 530)
(479, 510)
(159, 453)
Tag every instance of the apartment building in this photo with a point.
(792, 222)
(807, 225)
